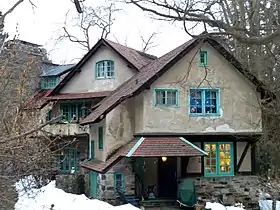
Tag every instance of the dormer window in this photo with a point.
(49, 83)
(105, 69)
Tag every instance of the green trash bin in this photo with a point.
(186, 193)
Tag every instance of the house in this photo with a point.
(143, 123)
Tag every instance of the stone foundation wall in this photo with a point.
(105, 182)
(72, 183)
(229, 190)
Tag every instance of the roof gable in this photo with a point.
(155, 69)
(134, 58)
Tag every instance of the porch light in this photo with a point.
(164, 159)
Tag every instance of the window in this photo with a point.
(49, 115)
(100, 138)
(69, 160)
(203, 58)
(73, 112)
(119, 181)
(204, 102)
(48, 83)
(166, 97)
(92, 148)
(219, 161)
(105, 70)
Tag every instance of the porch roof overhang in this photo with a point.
(147, 147)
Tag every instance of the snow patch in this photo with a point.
(220, 128)
(50, 196)
(218, 206)
(267, 205)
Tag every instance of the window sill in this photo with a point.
(202, 65)
(104, 78)
(165, 106)
(205, 115)
(217, 176)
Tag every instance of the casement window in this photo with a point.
(92, 150)
(100, 138)
(105, 69)
(204, 102)
(203, 58)
(166, 97)
(119, 181)
(69, 160)
(72, 112)
(49, 83)
(49, 115)
(219, 161)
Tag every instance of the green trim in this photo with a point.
(49, 115)
(93, 184)
(203, 53)
(100, 138)
(70, 159)
(116, 181)
(176, 90)
(92, 150)
(49, 83)
(192, 145)
(106, 64)
(134, 148)
(204, 114)
(80, 110)
(217, 158)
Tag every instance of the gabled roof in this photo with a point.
(147, 147)
(137, 83)
(134, 58)
(55, 69)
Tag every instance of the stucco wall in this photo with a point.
(239, 101)
(194, 165)
(85, 80)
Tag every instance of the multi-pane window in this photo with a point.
(69, 160)
(219, 161)
(72, 112)
(204, 102)
(48, 83)
(203, 58)
(119, 181)
(166, 97)
(105, 69)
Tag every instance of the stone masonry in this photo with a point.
(105, 182)
(229, 190)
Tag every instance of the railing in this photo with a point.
(66, 129)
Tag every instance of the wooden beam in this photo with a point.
(243, 156)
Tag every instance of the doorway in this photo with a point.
(167, 178)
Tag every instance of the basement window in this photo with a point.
(219, 161)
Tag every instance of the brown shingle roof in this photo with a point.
(103, 167)
(147, 147)
(165, 146)
(38, 100)
(73, 96)
(146, 75)
(138, 59)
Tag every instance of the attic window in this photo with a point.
(105, 69)
(49, 83)
(203, 58)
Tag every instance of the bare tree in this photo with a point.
(92, 21)
(238, 19)
(148, 43)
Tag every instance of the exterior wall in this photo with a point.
(239, 106)
(105, 182)
(194, 165)
(247, 163)
(85, 80)
(229, 190)
(93, 135)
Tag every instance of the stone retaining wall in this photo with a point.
(229, 190)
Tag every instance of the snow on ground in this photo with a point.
(45, 197)
(218, 206)
(267, 205)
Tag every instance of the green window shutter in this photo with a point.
(92, 155)
(100, 138)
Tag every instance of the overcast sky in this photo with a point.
(43, 24)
